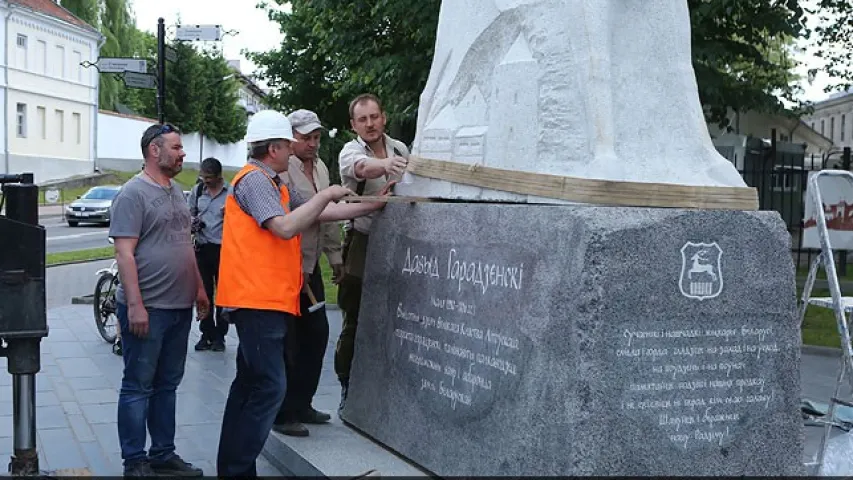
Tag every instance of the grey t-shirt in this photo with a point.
(165, 260)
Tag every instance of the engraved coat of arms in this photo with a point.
(701, 270)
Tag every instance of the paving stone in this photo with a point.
(96, 414)
(64, 392)
(81, 428)
(107, 437)
(72, 408)
(91, 383)
(67, 350)
(51, 417)
(60, 449)
(97, 397)
(47, 399)
(60, 335)
(99, 463)
(78, 367)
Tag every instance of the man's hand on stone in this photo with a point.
(336, 192)
(395, 165)
(202, 303)
(337, 273)
(138, 320)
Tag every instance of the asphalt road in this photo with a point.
(62, 238)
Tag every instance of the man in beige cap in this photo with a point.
(308, 335)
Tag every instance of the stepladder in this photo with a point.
(829, 194)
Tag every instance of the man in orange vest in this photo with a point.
(260, 279)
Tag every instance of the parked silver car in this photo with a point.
(92, 207)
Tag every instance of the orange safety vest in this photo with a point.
(257, 269)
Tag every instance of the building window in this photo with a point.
(78, 69)
(60, 124)
(21, 52)
(41, 114)
(832, 129)
(22, 120)
(41, 57)
(822, 125)
(77, 127)
(60, 61)
(843, 126)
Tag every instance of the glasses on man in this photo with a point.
(165, 128)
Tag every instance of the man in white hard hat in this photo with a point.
(260, 279)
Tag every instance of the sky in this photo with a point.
(256, 33)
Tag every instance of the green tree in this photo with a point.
(833, 40)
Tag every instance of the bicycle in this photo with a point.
(105, 305)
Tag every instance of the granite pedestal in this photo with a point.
(579, 340)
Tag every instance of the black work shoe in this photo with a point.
(139, 469)
(203, 344)
(313, 416)
(292, 429)
(175, 466)
(344, 388)
(218, 346)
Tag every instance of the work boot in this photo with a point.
(203, 344)
(176, 467)
(139, 469)
(313, 416)
(344, 388)
(291, 429)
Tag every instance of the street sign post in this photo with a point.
(121, 65)
(140, 80)
(208, 33)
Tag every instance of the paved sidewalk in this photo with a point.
(77, 392)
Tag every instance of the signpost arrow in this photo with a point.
(140, 80)
(171, 54)
(209, 33)
(121, 65)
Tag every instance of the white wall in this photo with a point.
(119, 148)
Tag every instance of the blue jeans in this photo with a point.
(256, 393)
(153, 369)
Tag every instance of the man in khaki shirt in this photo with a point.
(367, 164)
(308, 336)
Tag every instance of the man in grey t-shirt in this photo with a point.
(160, 282)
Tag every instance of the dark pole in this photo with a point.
(842, 255)
(161, 70)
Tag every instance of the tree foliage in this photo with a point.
(197, 97)
(832, 40)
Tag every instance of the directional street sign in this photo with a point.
(208, 33)
(171, 54)
(140, 80)
(121, 65)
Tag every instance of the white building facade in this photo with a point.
(833, 118)
(51, 99)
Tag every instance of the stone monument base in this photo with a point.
(579, 340)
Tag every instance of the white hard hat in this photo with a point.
(267, 125)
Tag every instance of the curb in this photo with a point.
(822, 351)
(84, 300)
(287, 461)
(77, 262)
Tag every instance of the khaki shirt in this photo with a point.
(355, 151)
(321, 237)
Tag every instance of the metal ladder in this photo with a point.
(842, 306)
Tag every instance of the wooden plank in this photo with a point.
(386, 199)
(584, 190)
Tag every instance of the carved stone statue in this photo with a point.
(599, 89)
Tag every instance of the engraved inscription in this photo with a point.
(458, 355)
(697, 383)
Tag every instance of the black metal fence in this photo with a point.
(779, 171)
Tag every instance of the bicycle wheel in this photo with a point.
(105, 307)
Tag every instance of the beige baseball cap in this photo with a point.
(304, 121)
